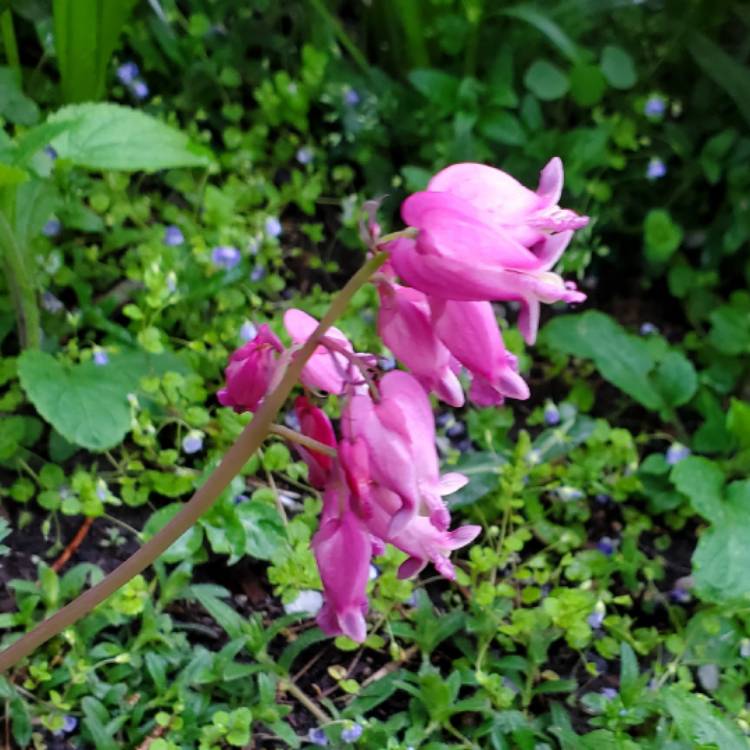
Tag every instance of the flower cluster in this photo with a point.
(476, 236)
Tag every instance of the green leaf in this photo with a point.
(587, 84)
(483, 470)
(730, 329)
(10, 175)
(110, 136)
(228, 618)
(548, 27)
(183, 548)
(703, 482)
(435, 85)
(503, 127)
(676, 379)
(14, 104)
(723, 70)
(662, 236)
(621, 358)
(617, 66)
(36, 201)
(698, 722)
(738, 421)
(87, 404)
(265, 533)
(722, 557)
(546, 81)
(86, 33)
(37, 138)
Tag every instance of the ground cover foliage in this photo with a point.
(606, 603)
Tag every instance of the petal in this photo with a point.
(452, 482)
(551, 182)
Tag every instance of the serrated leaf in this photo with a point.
(110, 136)
(697, 721)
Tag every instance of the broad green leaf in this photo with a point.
(503, 127)
(675, 378)
(587, 84)
(86, 33)
(110, 136)
(621, 358)
(265, 534)
(699, 722)
(10, 175)
(87, 404)
(618, 68)
(183, 548)
(483, 470)
(36, 201)
(14, 104)
(662, 236)
(703, 482)
(435, 85)
(730, 329)
(546, 81)
(37, 138)
(738, 421)
(722, 558)
(722, 69)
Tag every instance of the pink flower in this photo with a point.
(405, 325)
(419, 538)
(326, 370)
(470, 332)
(314, 423)
(252, 372)
(342, 550)
(399, 434)
(483, 236)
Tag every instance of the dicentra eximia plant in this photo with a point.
(475, 236)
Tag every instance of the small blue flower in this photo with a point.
(655, 106)
(606, 546)
(648, 329)
(257, 273)
(551, 415)
(69, 724)
(128, 72)
(273, 226)
(745, 648)
(387, 364)
(318, 737)
(304, 155)
(102, 491)
(248, 331)
(608, 693)
(656, 169)
(101, 358)
(677, 452)
(595, 620)
(351, 97)
(225, 256)
(680, 595)
(192, 442)
(456, 430)
(173, 236)
(51, 303)
(52, 228)
(352, 733)
(50, 152)
(140, 90)
(602, 498)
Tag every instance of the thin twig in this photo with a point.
(289, 687)
(74, 544)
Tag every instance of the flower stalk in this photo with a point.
(236, 457)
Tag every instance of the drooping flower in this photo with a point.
(329, 368)
(52, 228)
(252, 371)
(484, 236)
(342, 549)
(676, 452)
(398, 432)
(470, 332)
(314, 423)
(407, 329)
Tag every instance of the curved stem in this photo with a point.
(22, 287)
(234, 459)
(297, 437)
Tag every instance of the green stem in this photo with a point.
(9, 40)
(21, 286)
(234, 459)
(344, 39)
